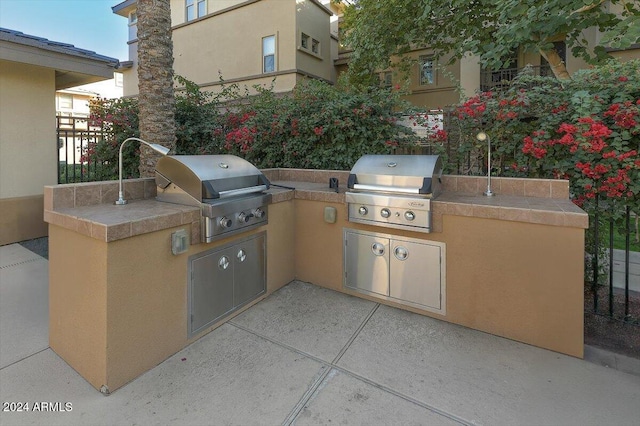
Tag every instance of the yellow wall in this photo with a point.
(28, 148)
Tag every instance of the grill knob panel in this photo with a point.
(225, 222)
(363, 211)
(409, 215)
(385, 213)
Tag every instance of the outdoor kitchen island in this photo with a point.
(118, 296)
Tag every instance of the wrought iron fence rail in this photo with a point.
(75, 136)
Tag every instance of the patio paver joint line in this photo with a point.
(355, 335)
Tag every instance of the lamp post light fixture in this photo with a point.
(158, 148)
(482, 136)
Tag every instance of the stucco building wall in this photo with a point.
(27, 152)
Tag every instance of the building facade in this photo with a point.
(32, 69)
(257, 42)
(243, 42)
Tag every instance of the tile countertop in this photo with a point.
(88, 208)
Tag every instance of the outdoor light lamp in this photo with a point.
(158, 148)
(482, 136)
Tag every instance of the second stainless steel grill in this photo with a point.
(228, 189)
(394, 191)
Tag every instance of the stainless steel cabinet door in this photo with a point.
(415, 273)
(367, 263)
(211, 288)
(249, 270)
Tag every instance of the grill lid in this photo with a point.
(207, 177)
(404, 174)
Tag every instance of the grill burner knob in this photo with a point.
(385, 213)
(363, 210)
(259, 213)
(409, 215)
(225, 223)
(243, 218)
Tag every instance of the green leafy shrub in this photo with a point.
(318, 126)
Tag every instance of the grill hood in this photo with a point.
(206, 178)
(417, 175)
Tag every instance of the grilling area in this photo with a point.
(141, 291)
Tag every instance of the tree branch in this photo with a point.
(587, 7)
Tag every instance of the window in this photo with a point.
(195, 9)
(269, 54)
(118, 79)
(133, 18)
(309, 44)
(427, 71)
(65, 101)
(386, 79)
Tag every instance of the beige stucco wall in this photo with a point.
(626, 55)
(497, 272)
(112, 319)
(314, 21)
(226, 43)
(27, 148)
(27, 151)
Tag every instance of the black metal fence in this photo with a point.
(614, 255)
(612, 247)
(501, 79)
(75, 136)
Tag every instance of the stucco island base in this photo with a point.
(118, 296)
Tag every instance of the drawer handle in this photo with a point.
(401, 253)
(241, 255)
(377, 249)
(223, 263)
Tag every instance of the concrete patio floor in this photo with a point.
(308, 355)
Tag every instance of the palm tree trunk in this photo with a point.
(155, 80)
(558, 66)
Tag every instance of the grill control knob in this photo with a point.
(243, 218)
(224, 222)
(385, 213)
(259, 213)
(363, 211)
(409, 215)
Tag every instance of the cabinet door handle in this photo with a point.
(401, 253)
(223, 263)
(377, 249)
(241, 255)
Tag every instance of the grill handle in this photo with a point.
(242, 191)
(381, 188)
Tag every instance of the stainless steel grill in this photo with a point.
(394, 191)
(228, 189)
